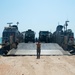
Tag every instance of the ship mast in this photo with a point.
(65, 25)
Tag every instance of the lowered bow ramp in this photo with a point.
(46, 49)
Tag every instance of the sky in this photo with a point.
(37, 15)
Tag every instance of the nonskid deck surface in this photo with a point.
(30, 49)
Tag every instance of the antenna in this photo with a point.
(58, 23)
(64, 27)
(10, 24)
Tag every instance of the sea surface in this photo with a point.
(0, 40)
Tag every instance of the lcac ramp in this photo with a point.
(30, 49)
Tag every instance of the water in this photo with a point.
(0, 40)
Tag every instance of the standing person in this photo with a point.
(38, 49)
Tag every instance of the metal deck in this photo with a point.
(30, 49)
